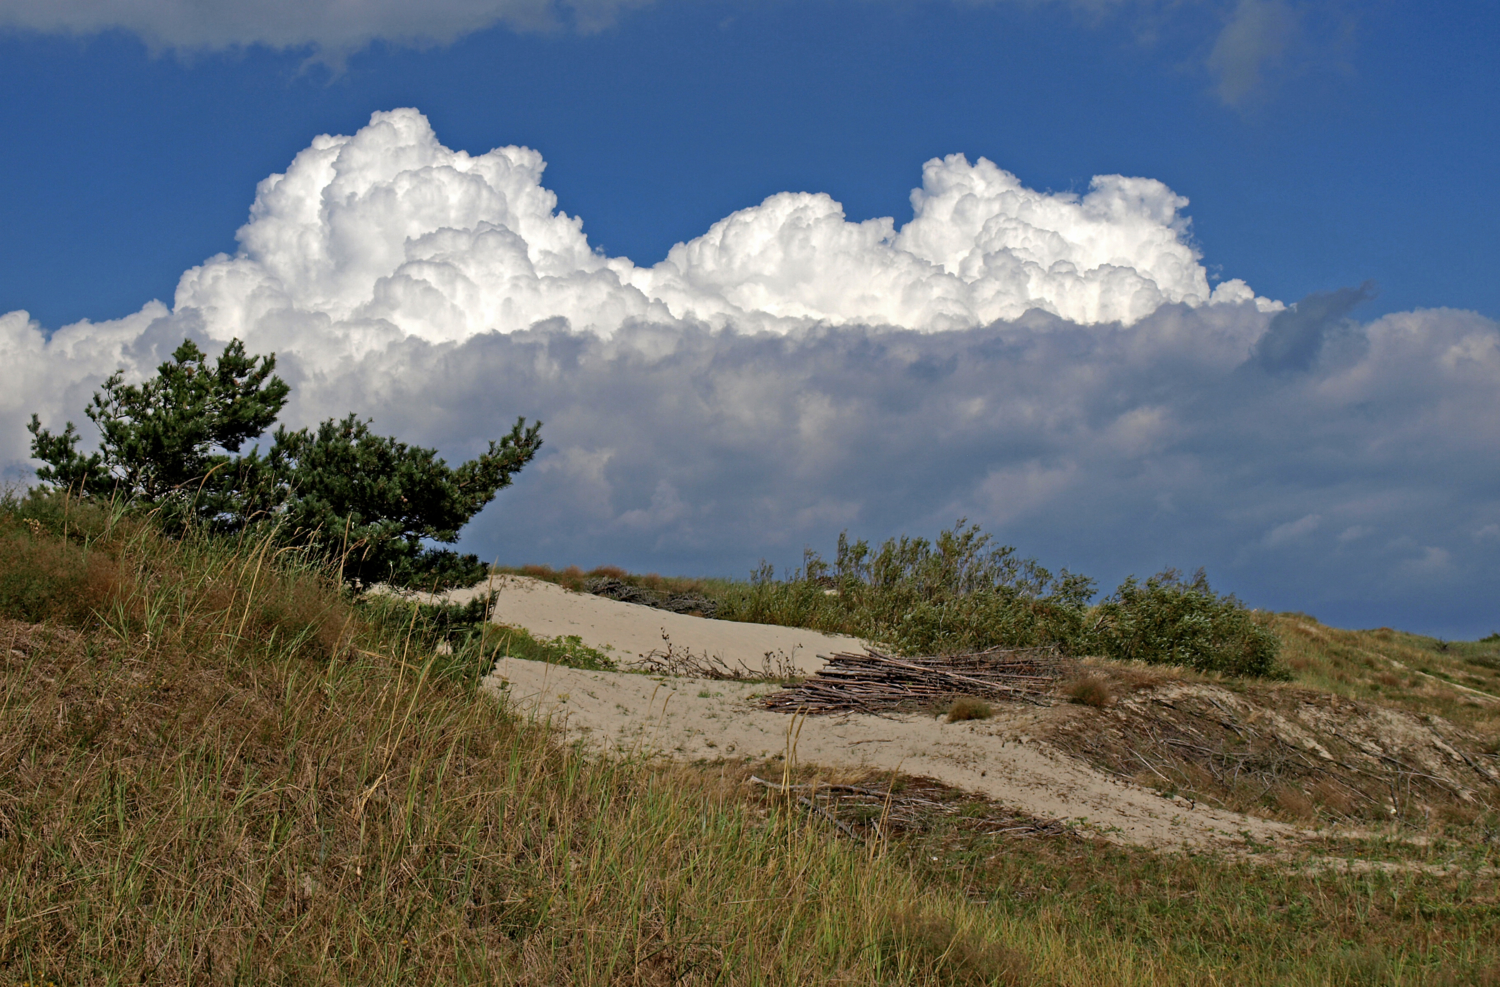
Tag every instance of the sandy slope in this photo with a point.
(631, 630)
(707, 719)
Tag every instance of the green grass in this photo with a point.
(217, 766)
(1459, 680)
(504, 641)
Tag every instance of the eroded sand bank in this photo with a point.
(631, 631)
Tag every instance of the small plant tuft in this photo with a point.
(937, 952)
(969, 708)
(1089, 690)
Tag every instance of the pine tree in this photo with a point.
(158, 438)
(371, 504)
(371, 501)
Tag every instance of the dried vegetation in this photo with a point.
(874, 682)
(1286, 752)
(215, 766)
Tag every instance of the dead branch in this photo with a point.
(875, 682)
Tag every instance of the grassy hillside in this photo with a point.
(215, 766)
(1459, 680)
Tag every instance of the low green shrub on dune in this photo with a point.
(956, 593)
(961, 593)
(1172, 620)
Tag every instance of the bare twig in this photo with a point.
(874, 681)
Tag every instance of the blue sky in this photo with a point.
(1367, 152)
(1322, 145)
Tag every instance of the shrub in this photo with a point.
(969, 708)
(957, 593)
(45, 578)
(1169, 620)
(121, 573)
(466, 643)
(516, 642)
(1089, 690)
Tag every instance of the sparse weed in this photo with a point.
(1088, 690)
(969, 708)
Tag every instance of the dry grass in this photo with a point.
(1273, 917)
(227, 770)
(969, 708)
(1458, 680)
(217, 767)
(230, 772)
(1088, 690)
(1287, 750)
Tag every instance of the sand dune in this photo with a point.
(631, 631)
(709, 719)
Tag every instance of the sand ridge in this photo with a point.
(709, 719)
(630, 631)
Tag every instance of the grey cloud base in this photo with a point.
(1361, 490)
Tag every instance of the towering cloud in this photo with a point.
(1054, 366)
(389, 234)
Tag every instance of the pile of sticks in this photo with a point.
(861, 812)
(876, 682)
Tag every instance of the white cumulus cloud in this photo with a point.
(385, 235)
(388, 233)
(1055, 367)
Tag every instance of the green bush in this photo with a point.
(957, 593)
(466, 643)
(505, 641)
(1169, 620)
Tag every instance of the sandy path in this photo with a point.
(630, 630)
(708, 720)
